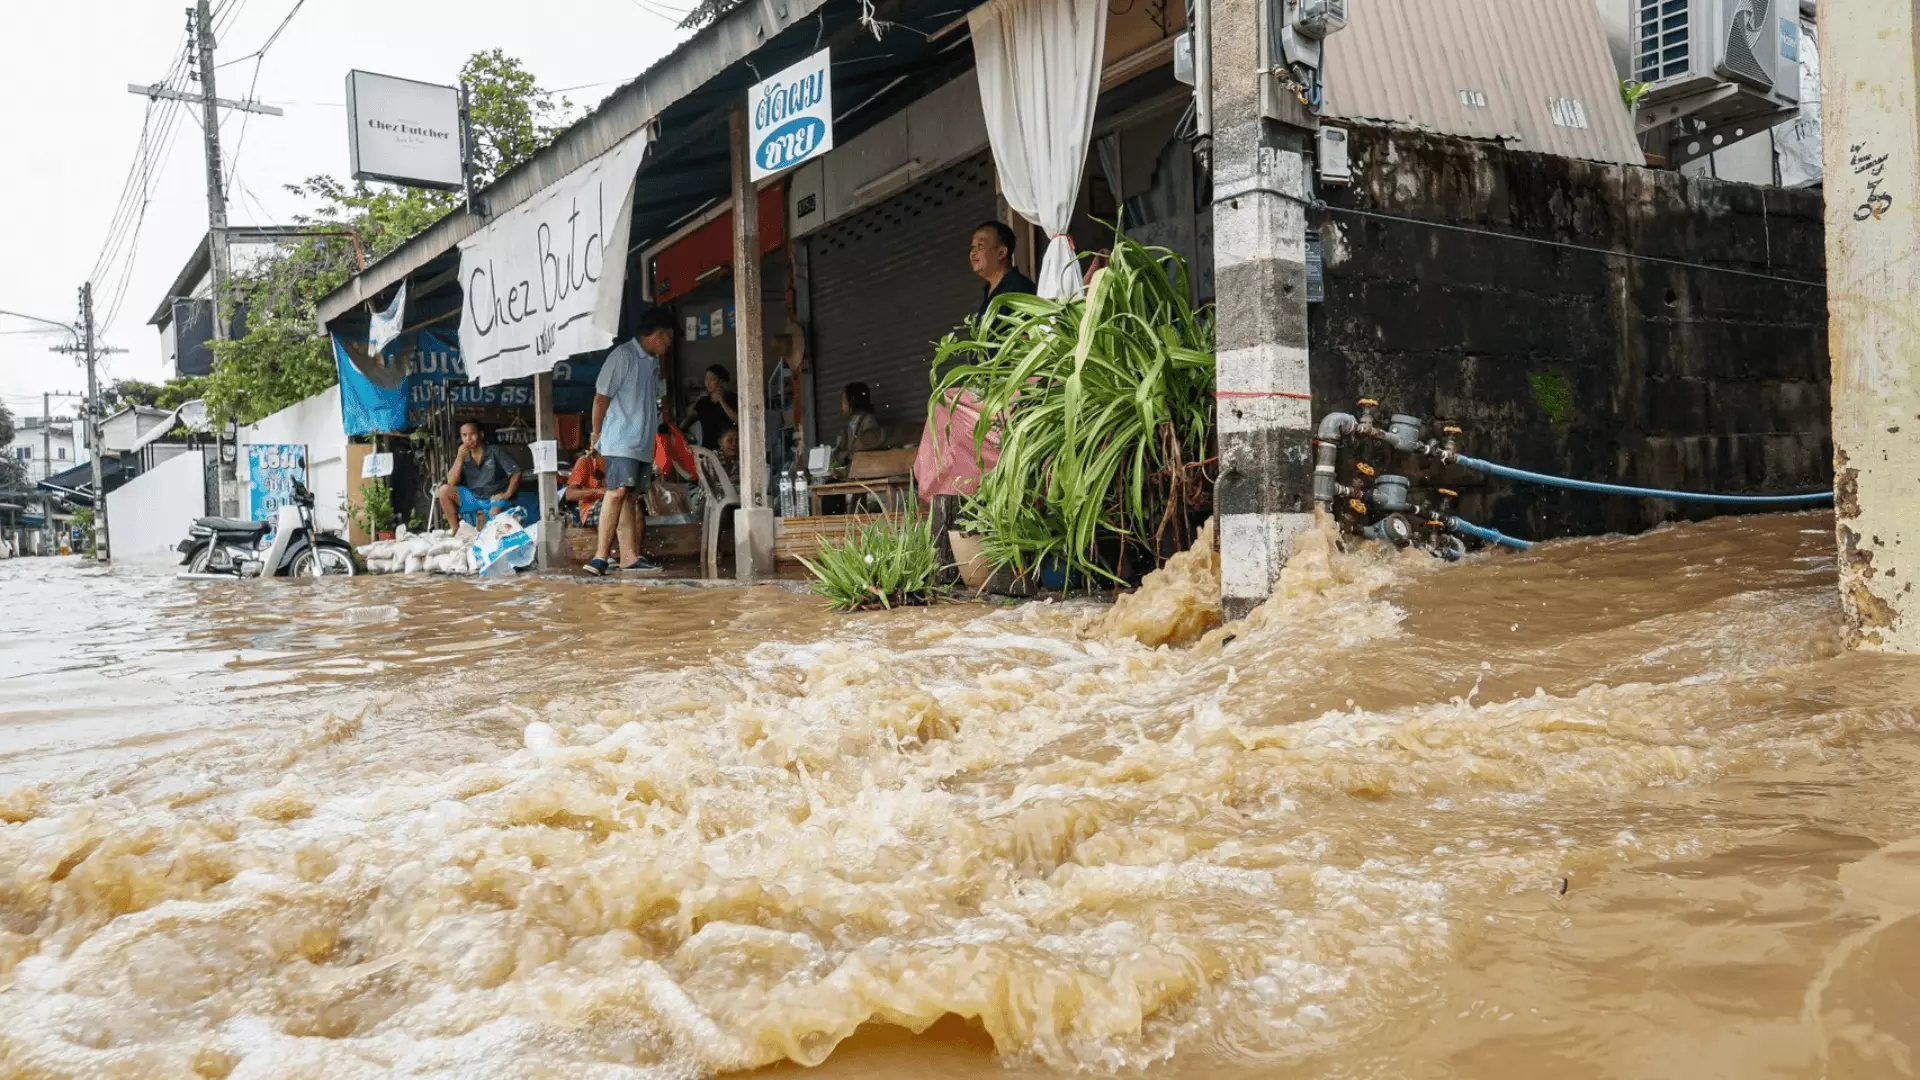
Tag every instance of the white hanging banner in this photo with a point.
(544, 280)
(791, 116)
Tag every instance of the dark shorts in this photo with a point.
(626, 472)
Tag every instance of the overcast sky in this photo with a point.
(70, 131)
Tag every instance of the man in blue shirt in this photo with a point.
(626, 417)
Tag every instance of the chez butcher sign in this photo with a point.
(791, 116)
(544, 280)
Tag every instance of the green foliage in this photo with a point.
(281, 360)
(1631, 92)
(1554, 394)
(1104, 406)
(512, 116)
(374, 515)
(11, 474)
(889, 562)
(83, 520)
(126, 393)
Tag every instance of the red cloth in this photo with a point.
(672, 449)
(945, 463)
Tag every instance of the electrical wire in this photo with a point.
(1635, 256)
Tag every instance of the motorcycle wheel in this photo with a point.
(322, 562)
(202, 560)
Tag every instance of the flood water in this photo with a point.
(1612, 808)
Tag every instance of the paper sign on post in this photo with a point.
(792, 116)
(375, 466)
(546, 456)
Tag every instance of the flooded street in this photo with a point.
(1619, 808)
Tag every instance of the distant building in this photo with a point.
(43, 448)
(185, 316)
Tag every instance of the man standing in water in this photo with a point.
(626, 417)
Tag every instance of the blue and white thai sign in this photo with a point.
(791, 115)
(271, 470)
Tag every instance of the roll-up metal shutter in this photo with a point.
(888, 282)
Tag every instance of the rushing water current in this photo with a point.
(1612, 808)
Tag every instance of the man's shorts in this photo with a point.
(471, 504)
(626, 472)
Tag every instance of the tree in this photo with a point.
(126, 393)
(11, 474)
(280, 360)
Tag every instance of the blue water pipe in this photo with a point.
(1486, 535)
(1806, 498)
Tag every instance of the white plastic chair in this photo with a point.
(720, 494)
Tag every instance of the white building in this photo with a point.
(43, 448)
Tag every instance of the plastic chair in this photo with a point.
(720, 494)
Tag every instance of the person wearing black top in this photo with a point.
(717, 411)
(991, 257)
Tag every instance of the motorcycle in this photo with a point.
(289, 546)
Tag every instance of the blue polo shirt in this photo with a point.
(630, 379)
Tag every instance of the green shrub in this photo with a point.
(890, 561)
(1105, 409)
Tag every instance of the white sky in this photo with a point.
(69, 134)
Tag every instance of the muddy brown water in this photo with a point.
(1614, 808)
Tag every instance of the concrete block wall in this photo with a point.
(1630, 370)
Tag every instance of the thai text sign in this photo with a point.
(544, 280)
(271, 470)
(791, 115)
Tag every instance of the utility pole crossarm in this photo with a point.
(158, 90)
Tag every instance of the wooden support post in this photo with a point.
(552, 552)
(753, 522)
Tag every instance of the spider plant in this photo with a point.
(889, 561)
(1104, 409)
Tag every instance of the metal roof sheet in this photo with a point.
(1531, 73)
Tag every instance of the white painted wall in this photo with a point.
(316, 424)
(151, 513)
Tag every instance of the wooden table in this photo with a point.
(892, 491)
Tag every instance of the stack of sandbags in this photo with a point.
(437, 552)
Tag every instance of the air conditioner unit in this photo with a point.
(1715, 71)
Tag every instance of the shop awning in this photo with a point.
(682, 103)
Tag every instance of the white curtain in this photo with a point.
(1039, 71)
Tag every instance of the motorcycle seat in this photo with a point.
(232, 525)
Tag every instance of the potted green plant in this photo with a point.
(374, 515)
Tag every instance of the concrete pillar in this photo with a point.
(1260, 189)
(552, 553)
(753, 522)
(1868, 51)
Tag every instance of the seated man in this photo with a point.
(586, 486)
(484, 482)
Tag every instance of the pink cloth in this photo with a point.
(945, 464)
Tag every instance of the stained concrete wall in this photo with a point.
(1570, 361)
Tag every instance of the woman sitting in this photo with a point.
(861, 428)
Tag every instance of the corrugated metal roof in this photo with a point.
(1532, 73)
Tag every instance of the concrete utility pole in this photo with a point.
(1260, 193)
(1869, 93)
(216, 191)
(90, 351)
(753, 522)
(200, 45)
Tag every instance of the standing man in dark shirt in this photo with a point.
(991, 257)
(484, 480)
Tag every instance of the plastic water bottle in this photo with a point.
(802, 494)
(786, 493)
